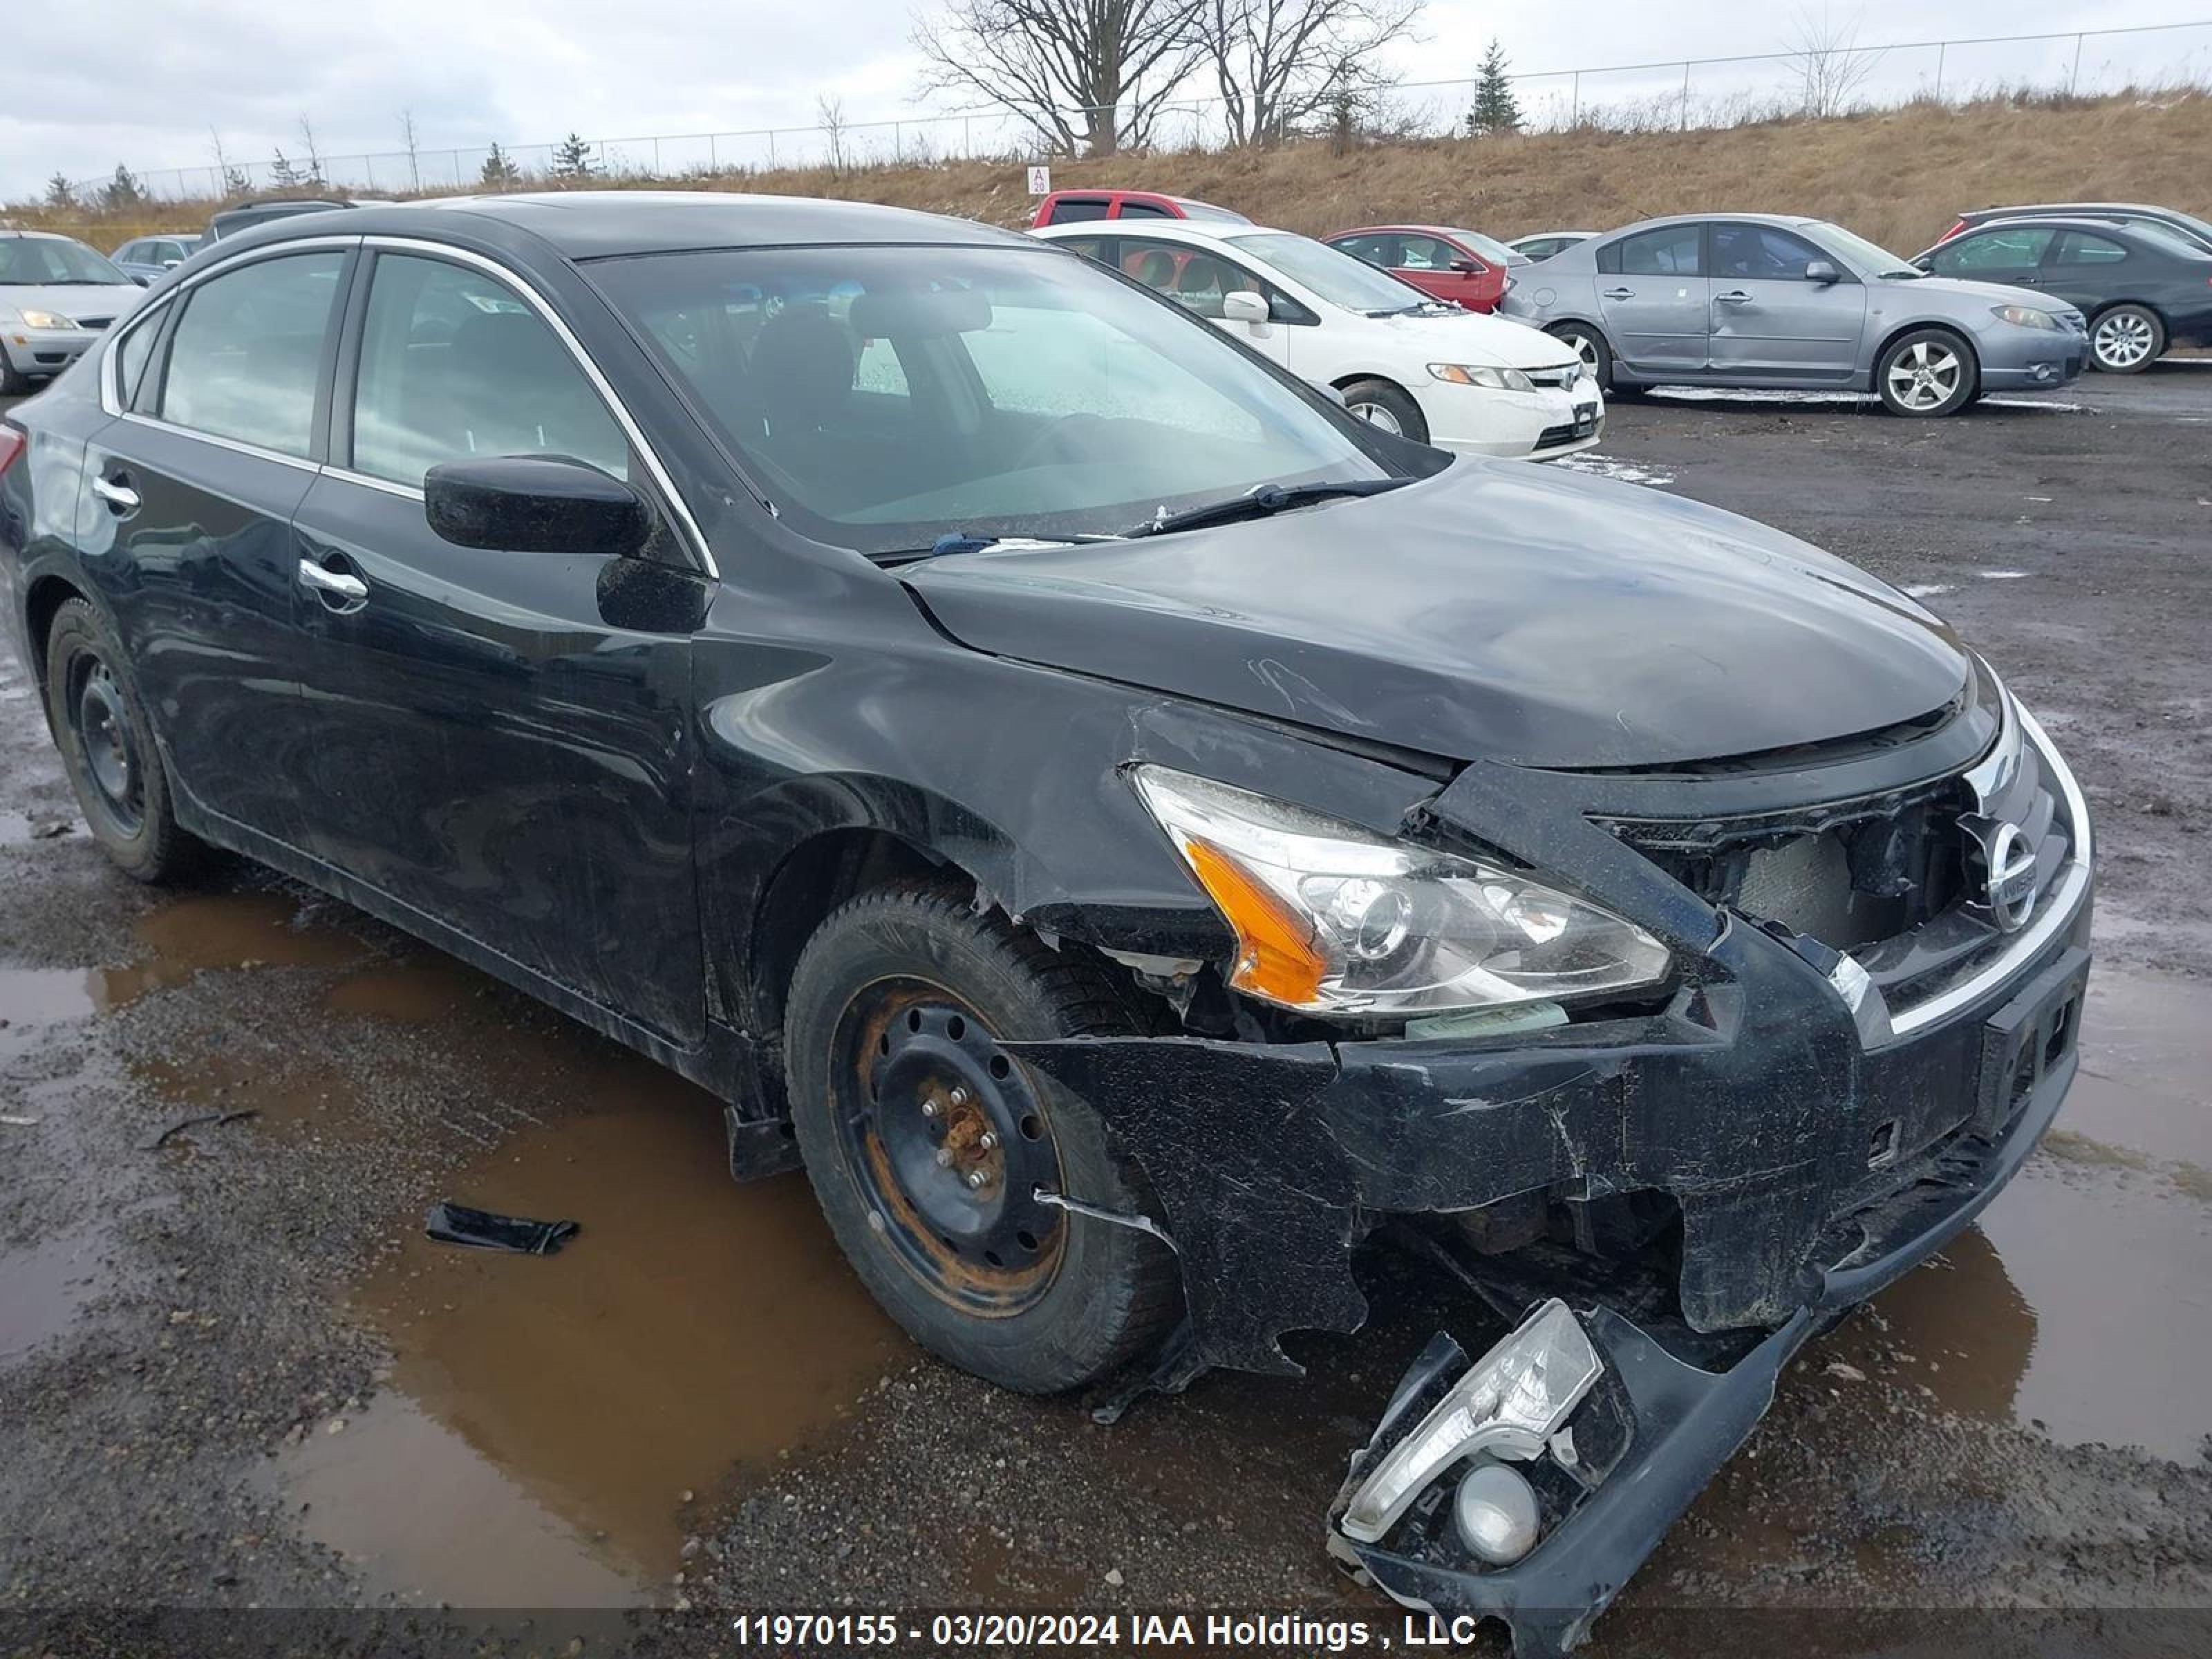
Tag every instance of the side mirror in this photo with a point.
(1923, 263)
(1243, 306)
(535, 504)
(1823, 272)
(1466, 267)
(141, 282)
(171, 265)
(1330, 393)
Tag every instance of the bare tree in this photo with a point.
(1832, 63)
(1285, 65)
(829, 116)
(407, 138)
(234, 179)
(310, 171)
(1088, 76)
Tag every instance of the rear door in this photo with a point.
(193, 489)
(503, 740)
(1652, 293)
(1767, 319)
(2090, 271)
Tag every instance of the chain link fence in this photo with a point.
(1700, 92)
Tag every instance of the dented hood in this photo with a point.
(1500, 610)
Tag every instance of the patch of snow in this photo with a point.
(1604, 466)
(2002, 576)
(2058, 403)
(1926, 590)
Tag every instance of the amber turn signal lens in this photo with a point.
(1275, 957)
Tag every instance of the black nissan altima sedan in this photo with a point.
(1135, 834)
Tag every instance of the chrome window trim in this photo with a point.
(513, 281)
(2059, 910)
(111, 401)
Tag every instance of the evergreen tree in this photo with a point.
(60, 193)
(500, 170)
(284, 175)
(122, 192)
(572, 161)
(1495, 108)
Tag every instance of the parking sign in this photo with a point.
(1040, 181)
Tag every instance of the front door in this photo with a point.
(192, 492)
(503, 740)
(1652, 296)
(1199, 281)
(1768, 320)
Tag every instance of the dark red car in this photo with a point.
(1065, 207)
(1463, 266)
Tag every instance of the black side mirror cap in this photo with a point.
(536, 504)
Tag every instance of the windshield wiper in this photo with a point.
(1260, 501)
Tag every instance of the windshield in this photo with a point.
(884, 398)
(54, 262)
(1868, 258)
(1337, 277)
(1488, 246)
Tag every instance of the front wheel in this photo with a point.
(1590, 346)
(1380, 404)
(2126, 339)
(1926, 372)
(928, 1144)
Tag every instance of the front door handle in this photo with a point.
(1733, 297)
(120, 497)
(351, 590)
(1619, 294)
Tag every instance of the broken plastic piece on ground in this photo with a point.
(480, 1229)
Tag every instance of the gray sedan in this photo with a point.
(1760, 299)
(56, 297)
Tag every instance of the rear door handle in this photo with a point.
(350, 590)
(1619, 294)
(1733, 297)
(120, 497)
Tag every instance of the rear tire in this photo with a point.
(108, 750)
(924, 1141)
(1380, 404)
(2126, 339)
(1926, 374)
(1590, 346)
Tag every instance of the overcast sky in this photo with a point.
(142, 82)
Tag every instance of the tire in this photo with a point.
(891, 1035)
(1926, 372)
(2126, 339)
(1380, 404)
(108, 750)
(13, 382)
(1590, 344)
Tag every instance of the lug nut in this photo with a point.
(959, 1096)
(976, 1178)
(987, 1140)
(944, 1157)
(930, 1108)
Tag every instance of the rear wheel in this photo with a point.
(1926, 372)
(1380, 404)
(927, 1143)
(1590, 346)
(107, 748)
(2127, 339)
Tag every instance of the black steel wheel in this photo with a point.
(933, 1148)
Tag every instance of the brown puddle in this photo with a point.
(692, 1333)
(2081, 1302)
(420, 990)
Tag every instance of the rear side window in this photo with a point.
(1145, 210)
(453, 363)
(1070, 208)
(248, 351)
(2084, 247)
(1671, 252)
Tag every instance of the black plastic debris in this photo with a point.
(480, 1229)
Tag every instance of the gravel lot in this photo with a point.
(233, 1376)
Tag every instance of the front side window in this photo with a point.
(1426, 253)
(247, 352)
(2014, 249)
(885, 397)
(454, 363)
(1760, 253)
(1670, 251)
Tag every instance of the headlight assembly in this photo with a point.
(2025, 316)
(1330, 919)
(1498, 379)
(48, 320)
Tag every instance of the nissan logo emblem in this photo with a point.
(2010, 864)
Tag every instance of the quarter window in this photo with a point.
(453, 363)
(1671, 252)
(130, 359)
(248, 351)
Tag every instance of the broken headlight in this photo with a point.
(1331, 919)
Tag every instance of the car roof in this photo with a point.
(604, 223)
(2065, 207)
(1199, 232)
(1399, 229)
(1784, 221)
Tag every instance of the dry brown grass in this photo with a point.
(1897, 176)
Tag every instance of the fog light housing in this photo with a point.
(1496, 1514)
(1510, 1402)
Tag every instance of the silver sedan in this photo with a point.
(1760, 299)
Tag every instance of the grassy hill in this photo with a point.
(1897, 176)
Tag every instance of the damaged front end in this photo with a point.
(1871, 1021)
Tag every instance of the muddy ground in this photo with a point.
(234, 1376)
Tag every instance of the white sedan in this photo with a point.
(1439, 374)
